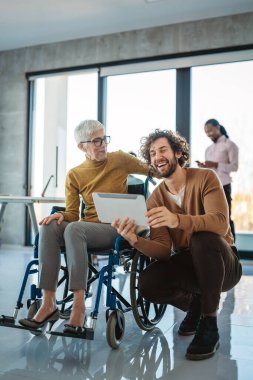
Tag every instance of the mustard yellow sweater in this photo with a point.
(109, 176)
(204, 208)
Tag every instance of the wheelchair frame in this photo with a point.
(117, 305)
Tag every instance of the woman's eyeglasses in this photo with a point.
(99, 141)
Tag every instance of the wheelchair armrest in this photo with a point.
(56, 209)
(59, 208)
(122, 243)
(141, 187)
(151, 180)
(144, 233)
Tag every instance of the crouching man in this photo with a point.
(191, 239)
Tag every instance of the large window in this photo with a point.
(134, 100)
(225, 92)
(60, 103)
(137, 104)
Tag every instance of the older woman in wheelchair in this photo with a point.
(101, 171)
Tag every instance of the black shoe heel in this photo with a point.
(51, 323)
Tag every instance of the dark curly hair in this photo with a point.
(178, 145)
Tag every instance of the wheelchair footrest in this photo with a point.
(8, 321)
(88, 333)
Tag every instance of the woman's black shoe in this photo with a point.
(32, 324)
(73, 330)
(206, 340)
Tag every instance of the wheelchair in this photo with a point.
(145, 313)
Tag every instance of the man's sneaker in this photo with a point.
(189, 325)
(206, 340)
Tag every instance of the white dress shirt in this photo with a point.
(225, 152)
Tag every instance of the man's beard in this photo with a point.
(172, 168)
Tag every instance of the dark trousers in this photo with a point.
(227, 190)
(209, 267)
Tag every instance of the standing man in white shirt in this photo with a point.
(221, 156)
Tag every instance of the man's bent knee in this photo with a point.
(203, 240)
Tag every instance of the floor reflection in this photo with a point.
(158, 354)
(54, 358)
(221, 366)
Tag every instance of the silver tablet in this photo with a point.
(111, 206)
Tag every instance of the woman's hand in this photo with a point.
(48, 219)
(162, 217)
(127, 229)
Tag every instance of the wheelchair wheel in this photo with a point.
(146, 313)
(115, 328)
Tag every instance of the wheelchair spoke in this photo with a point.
(147, 308)
(146, 313)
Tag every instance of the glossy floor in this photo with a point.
(158, 354)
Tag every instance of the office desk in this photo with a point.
(29, 202)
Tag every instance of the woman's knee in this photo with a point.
(48, 229)
(73, 229)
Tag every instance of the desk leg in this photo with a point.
(33, 218)
(3, 205)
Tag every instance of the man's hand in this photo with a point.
(210, 165)
(127, 229)
(200, 164)
(48, 219)
(162, 217)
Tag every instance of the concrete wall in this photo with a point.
(232, 31)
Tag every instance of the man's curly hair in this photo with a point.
(178, 145)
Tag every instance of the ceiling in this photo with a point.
(33, 22)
